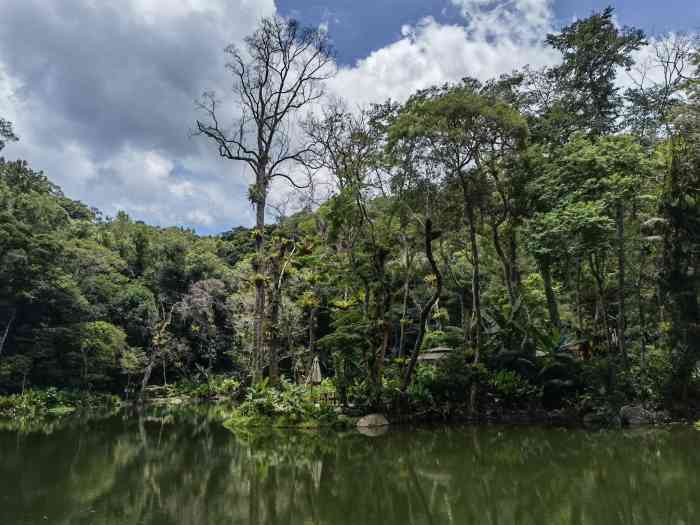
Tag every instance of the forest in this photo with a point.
(527, 242)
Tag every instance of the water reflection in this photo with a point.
(182, 467)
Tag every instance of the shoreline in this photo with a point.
(82, 403)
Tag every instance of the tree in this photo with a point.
(6, 133)
(464, 134)
(650, 103)
(280, 73)
(101, 347)
(593, 49)
(430, 235)
(363, 218)
(680, 208)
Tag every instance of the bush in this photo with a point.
(52, 402)
(513, 389)
(424, 388)
(450, 337)
(446, 383)
(287, 405)
(215, 386)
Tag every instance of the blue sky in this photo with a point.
(361, 26)
(103, 93)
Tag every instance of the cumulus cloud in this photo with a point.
(497, 37)
(524, 21)
(102, 91)
(102, 94)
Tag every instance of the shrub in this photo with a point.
(287, 405)
(450, 337)
(511, 388)
(52, 402)
(448, 382)
(215, 386)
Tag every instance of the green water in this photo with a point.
(185, 468)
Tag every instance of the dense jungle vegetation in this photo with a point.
(544, 226)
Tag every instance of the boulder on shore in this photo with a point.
(373, 420)
(636, 416)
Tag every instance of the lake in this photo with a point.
(182, 467)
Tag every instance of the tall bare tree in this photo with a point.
(279, 72)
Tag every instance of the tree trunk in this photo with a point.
(552, 305)
(6, 332)
(383, 300)
(463, 297)
(425, 312)
(381, 354)
(513, 257)
(621, 283)
(274, 339)
(476, 299)
(258, 268)
(404, 307)
(640, 309)
(600, 292)
(579, 311)
(156, 352)
(313, 321)
(476, 284)
(147, 374)
(504, 263)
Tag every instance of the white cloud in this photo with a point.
(118, 142)
(105, 110)
(523, 21)
(497, 38)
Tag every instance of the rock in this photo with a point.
(636, 415)
(373, 420)
(373, 431)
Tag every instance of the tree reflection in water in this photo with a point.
(182, 467)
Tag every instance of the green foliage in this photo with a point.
(652, 382)
(512, 389)
(287, 405)
(565, 243)
(448, 384)
(33, 404)
(215, 386)
(101, 346)
(450, 337)
(593, 49)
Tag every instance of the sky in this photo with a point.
(102, 92)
